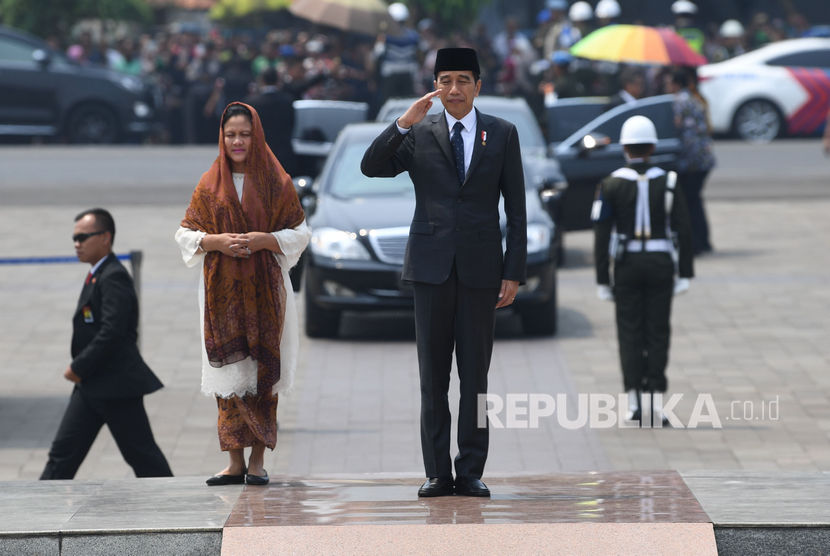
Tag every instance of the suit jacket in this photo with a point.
(104, 333)
(276, 111)
(458, 222)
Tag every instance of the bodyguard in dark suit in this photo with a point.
(276, 111)
(461, 163)
(110, 376)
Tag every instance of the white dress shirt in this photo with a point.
(468, 134)
(97, 265)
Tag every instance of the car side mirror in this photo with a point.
(593, 141)
(307, 196)
(551, 196)
(41, 58)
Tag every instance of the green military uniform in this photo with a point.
(633, 201)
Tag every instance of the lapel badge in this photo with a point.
(483, 138)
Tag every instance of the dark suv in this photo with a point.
(42, 93)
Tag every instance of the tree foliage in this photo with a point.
(448, 13)
(230, 11)
(56, 17)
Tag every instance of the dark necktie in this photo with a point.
(88, 278)
(458, 150)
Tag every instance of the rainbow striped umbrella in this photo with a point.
(637, 44)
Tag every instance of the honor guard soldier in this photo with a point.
(642, 242)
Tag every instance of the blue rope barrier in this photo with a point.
(49, 260)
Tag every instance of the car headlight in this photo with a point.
(538, 238)
(142, 110)
(337, 244)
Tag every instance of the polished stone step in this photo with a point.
(645, 511)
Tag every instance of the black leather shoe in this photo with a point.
(257, 480)
(471, 487)
(220, 480)
(435, 486)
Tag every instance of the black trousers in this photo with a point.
(452, 315)
(128, 423)
(643, 289)
(692, 184)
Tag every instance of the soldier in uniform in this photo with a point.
(640, 221)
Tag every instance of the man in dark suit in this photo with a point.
(461, 162)
(110, 376)
(276, 110)
(633, 87)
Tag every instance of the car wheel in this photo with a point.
(319, 322)
(540, 320)
(758, 121)
(92, 124)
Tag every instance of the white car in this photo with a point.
(780, 89)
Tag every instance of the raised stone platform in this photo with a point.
(575, 513)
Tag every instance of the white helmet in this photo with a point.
(580, 11)
(607, 9)
(683, 7)
(638, 130)
(399, 12)
(732, 29)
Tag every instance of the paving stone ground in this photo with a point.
(752, 330)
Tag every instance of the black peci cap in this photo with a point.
(456, 59)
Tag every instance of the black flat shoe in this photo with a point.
(220, 480)
(257, 480)
(471, 487)
(436, 487)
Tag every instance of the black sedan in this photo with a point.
(593, 151)
(45, 94)
(360, 230)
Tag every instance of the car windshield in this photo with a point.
(529, 134)
(657, 109)
(345, 180)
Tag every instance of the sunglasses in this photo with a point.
(80, 238)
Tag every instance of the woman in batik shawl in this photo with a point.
(246, 228)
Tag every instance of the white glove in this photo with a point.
(604, 293)
(681, 286)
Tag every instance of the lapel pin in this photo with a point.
(483, 138)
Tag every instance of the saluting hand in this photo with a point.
(418, 110)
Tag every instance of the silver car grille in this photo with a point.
(389, 244)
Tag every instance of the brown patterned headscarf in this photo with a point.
(245, 298)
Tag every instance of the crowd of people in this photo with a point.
(199, 73)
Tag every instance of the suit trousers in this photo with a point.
(128, 423)
(643, 289)
(451, 315)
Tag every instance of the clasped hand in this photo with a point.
(241, 245)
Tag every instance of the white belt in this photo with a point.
(651, 245)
